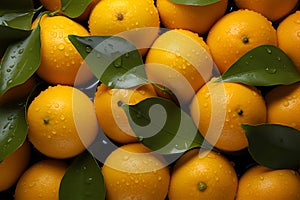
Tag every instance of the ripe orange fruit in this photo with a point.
(62, 122)
(272, 9)
(288, 33)
(194, 18)
(179, 60)
(260, 182)
(110, 114)
(283, 105)
(60, 61)
(204, 175)
(228, 105)
(41, 180)
(12, 167)
(134, 171)
(236, 33)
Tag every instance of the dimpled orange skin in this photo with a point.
(198, 19)
(209, 168)
(260, 182)
(236, 33)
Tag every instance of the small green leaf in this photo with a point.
(163, 127)
(13, 127)
(83, 180)
(274, 146)
(113, 60)
(74, 8)
(195, 2)
(265, 65)
(20, 61)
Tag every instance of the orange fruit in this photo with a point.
(288, 33)
(219, 109)
(272, 9)
(236, 33)
(62, 122)
(41, 180)
(110, 114)
(60, 61)
(179, 60)
(13, 166)
(283, 105)
(133, 171)
(198, 19)
(260, 182)
(203, 175)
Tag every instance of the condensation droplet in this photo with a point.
(61, 47)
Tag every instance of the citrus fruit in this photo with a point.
(62, 122)
(41, 180)
(229, 105)
(135, 172)
(236, 33)
(12, 167)
(198, 19)
(272, 9)
(260, 182)
(110, 114)
(288, 33)
(179, 60)
(204, 175)
(283, 105)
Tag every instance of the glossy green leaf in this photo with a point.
(195, 2)
(83, 180)
(163, 127)
(20, 61)
(274, 146)
(265, 65)
(74, 8)
(113, 60)
(13, 127)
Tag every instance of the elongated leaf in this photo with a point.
(74, 8)
(265, 65)
(20, 61)
(195, 2)
(163, 127)
(13, 127)
(113, 60)
(82, 180)
(274, 146)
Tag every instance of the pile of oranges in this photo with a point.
(185, 48)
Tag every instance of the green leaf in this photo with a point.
(83, 180)
(13, 127)
(163, 127)
(265, 65)
(74, 8)
(113, 60)
(195, 2)
(274, 146)
(20, 61)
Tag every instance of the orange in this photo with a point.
(135, 172)
(288, 33)
(236, 33)
(110, 114)
(179, 60)
(194, 18)
(219, 109)
(60, 61)
(283, 105)
(260, 182)
(62, 122)
(272, 9)
(13, 166)
(41, 181)
(203, 175)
